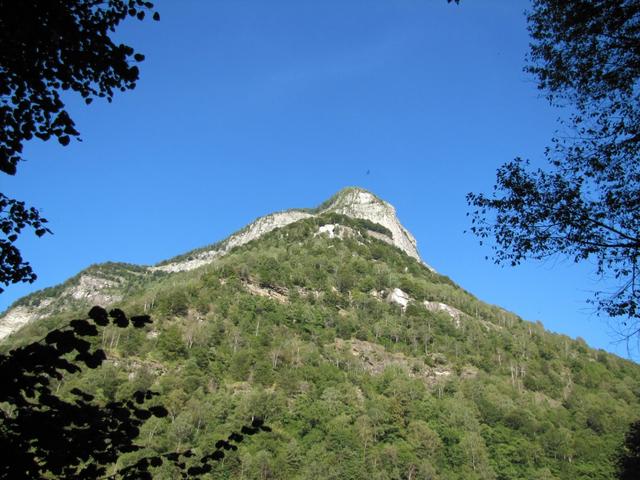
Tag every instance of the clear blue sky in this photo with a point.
(248, 107)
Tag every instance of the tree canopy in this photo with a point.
(296, 328)
(53, 46)
(48, 47)
(585, 204)
(45, 432)
(629, 455)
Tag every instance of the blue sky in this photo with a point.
(248, 107)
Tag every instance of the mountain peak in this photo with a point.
(350, 196)
(353, 202)
(357, 202)
(94, 285)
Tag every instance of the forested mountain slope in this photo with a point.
(107, 283)
(365, 363)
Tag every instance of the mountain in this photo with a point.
(365, 362)
(104, 284)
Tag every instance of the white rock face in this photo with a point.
(333, 230)
(454, 313)
(264, 225)
(329, 229)
(254, 230)
(359, 203)
(16, 318)
(90, 289)
(443, 307)
(198, 261)
(352, 202)
(93, 290)
(399, 297)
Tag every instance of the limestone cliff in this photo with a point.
(252, 231)
(359, 203)
(97, 285)
(353, 202)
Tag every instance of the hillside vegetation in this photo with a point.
(304, 331)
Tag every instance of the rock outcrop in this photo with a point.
(454, 313)
(251, 232)
(90, 289)
(84, 290)
(399, 297)
(359, 203)
(353, 202)
(18, 316)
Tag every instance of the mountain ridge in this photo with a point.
(355, 202)
(350, 201)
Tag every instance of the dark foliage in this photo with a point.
(346, 379)
(140, 469)
(586, 203)
(43, 434)
(15, 216)
(48, 47)
(629, 456)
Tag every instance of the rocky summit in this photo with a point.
(352, 202)
(364, 362)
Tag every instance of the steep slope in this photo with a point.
(358, 203)
(103, 284)
(366, 364)
(353, 202)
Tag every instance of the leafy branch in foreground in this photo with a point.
(14, 217)
(140, 469)
(585, 204)
(574, 211)
(48, 47)
(53, 46)
(43, 434)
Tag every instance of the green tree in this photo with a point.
(170, 343)
(476, 456)
(585, 205)
(628, 460)
(46, 434)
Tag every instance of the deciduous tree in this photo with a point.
(44, 433)
(629, 455)
(585, 204)
(48, 47)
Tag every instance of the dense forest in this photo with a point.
(356, 379)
